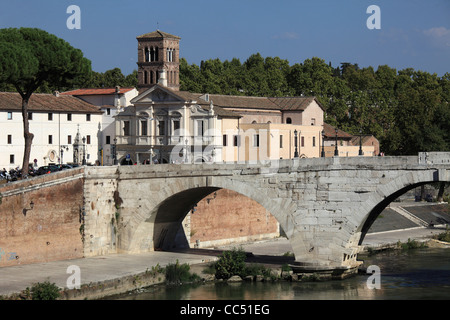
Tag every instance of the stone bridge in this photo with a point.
(324, 205)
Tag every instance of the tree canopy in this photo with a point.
(31, 58)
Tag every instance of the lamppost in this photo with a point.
(361, 153)
(295, 142)
(186, 151)
(62, 153)
(323, 144)
(114, 151)
(84, 151)
(336, 152)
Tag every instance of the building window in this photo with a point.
(30, 115)
(11, 159)
(200, 128)
(126, 128)
(9, 139)
(50, 116)
(88, 139)
(236, 141)
(313, 121)
(256, 140)
(69, 139)
(176, 127)
(225, 140)
(50, 139)
(289, 121)
(162, 128)
(10, 115)
(69, 117)
(108, 111)
(145, 77)
(314, 141)
(88, 117)
(108, 139)
(144, 131)
(281, 141)
(302, 141)
(147, 55)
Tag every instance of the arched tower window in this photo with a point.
(289, 121)
(152, 77)
(145, 77)
(147, 55)
(154, 54)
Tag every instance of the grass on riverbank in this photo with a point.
(444, 236)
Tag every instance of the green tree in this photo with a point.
(30, 57)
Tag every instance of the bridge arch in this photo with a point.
(157, 224)
(387, 193)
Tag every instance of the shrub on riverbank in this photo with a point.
(411, 244)
(232, 263)
(444, 236)
(45, 291)
(180, 273)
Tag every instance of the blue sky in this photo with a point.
(413, 33)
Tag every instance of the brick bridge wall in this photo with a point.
(51, 230)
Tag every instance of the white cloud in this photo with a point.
(439, 35)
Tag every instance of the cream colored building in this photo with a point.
(56, 121)
(110, 101)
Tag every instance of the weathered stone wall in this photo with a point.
(226, 217)
(51, 229)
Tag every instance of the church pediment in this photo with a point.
(156, 94)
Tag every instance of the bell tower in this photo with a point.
(158, 60)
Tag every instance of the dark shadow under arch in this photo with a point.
(376, 211)
(171, 213)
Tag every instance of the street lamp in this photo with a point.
(114, 151)
(62, 152)
(84, 151)
(336, 152)
(323, 148)
(295, 142)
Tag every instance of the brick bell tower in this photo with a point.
(158, 60)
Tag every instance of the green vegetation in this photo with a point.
(411, 244)
(44, 291)
(177, 273)
(232, 263)
(444, 236)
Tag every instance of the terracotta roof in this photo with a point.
(95, 91)
(294, 103)
(157, 34)
(364, 139)
(249, 102)
(47, 102)
(331, 133)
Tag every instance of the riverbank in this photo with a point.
(114, 274)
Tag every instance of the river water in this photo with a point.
(415, 274)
